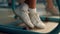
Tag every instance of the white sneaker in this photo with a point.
(36, 19)
(27, 20)
(25, 17)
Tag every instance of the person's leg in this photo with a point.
(22, 12)
(34, 15)
(50, 7)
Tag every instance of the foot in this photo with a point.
(53, 11)
(34, 16)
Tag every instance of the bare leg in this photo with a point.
(50, 7)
